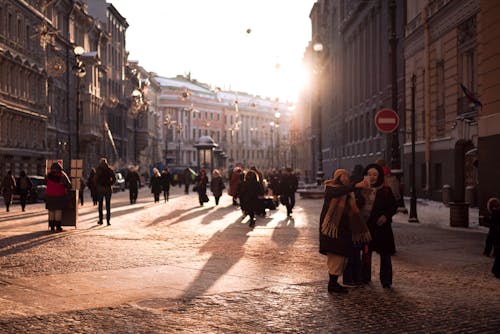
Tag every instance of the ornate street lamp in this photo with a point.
(79, 69)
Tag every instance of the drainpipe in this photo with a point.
(427, 97)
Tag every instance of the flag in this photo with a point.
(471, 96)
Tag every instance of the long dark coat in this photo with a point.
(217, 185)
(382, 236)
(249, 192)
(156, 186)
(343, 244)
(165, 180)
(133, 180)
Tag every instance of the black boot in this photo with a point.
(334, 286)
(58, 226)
(52, 225)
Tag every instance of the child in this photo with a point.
(493, 238)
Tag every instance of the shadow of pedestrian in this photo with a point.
(227, 249)
(285, 234)
(218, 213)
(22, 242)
(170, 215)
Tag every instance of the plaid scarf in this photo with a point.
(336, 209)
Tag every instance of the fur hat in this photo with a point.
(493, 204)
(338, 173)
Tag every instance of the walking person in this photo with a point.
(378, 205)
(493, 238)
(91, 183)
(155, 184)
(340, 226)
(104, 177)
(81, 190)
(187, 180)
(201, 187)
(133, 180)
(234, 184)
(217, 185)
(165, 184)
(56, 195)
(24, 186)
(250, 190)
(8, 186)
(288, 186)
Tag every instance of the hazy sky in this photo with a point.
(209, 38)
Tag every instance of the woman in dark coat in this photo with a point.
(201, 187)
(165, 184)
(156, 186)
(493, 238)
(340, 226)
(56, 195)
(378, 205)
(249, 193)
(217, 185)
(8, 185)
(91, 184)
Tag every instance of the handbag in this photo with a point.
(205, 198)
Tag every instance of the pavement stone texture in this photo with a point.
(178, 267)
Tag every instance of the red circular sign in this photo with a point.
(386, 120)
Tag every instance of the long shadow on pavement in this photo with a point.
(221, 260)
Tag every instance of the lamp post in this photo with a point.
(80, 72)
(393, 41)
(413, 200)
(271, 124)
(277, 116)
(318, 48)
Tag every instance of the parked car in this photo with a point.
(37, 192)
(119, 184)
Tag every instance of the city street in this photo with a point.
(178, 267)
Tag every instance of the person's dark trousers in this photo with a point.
(217, 200)
(496, 264)
(133, 195)
(23, 198)
(80, 196)
(353, 271)
(186, 188)
(385, 269)
(366, 266)
(157, 197)
(165, 195)
(101, 197)
(289, 200)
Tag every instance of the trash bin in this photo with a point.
(70, 213)
(459, 214)
(446, 193)
(470, 196)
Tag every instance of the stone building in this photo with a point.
(441, 54)
(488, 41)
(350, 55)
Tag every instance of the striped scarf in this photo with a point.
(336, 209)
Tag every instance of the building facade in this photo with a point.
(441, 54)
(354, 77)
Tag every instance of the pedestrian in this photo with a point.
(288, 186)
(249, 192)
(187, 180)
(165, 183)
(56, 195)
(378, 205)
(493, 238)
(217, 185)
(353, 272)
(234, 182)
(201, 187)
(155, 184)
(24, 185)
(104, 177)
(81, 190)
(133, 181)
(392, 181)
(91, 184)
(340, 226)
(8, 186)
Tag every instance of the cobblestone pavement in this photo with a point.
(442, 283)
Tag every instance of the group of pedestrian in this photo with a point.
(356, 221)
(23, 186)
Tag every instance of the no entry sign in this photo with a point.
(386, 120)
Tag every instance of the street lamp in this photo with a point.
(271, 124)
(80, 72)
(277, 116)
(318, 48)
